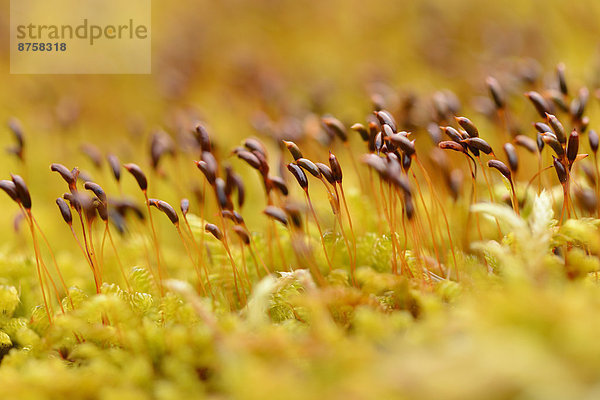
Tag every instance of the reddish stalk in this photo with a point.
(429, 223)
(60, 276)
(44, 269)
(236, 277)
(349, 220)
(112, 243)
(314, 214)
(437, 199)
(491, 192)
(244, 266)
(201, 262)
(39, 272)
(156, 246)
(91, 252)
(392, 231)
(189, 254)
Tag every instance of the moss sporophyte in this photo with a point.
(315, 246)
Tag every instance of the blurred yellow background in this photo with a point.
(229, 60)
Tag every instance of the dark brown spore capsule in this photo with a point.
(15, 126)
(387, 131)
(378, 144)
(208, 166)
(335, 128)
(279, 183)
(242, 234)
(336, 168)
(406, 145)
(396, 176)
(511, 155)
(362, 131)
(586, 198)
(214, 230)
(241, 190)
(22, 191)
(562, 81)
(184, 206)
(326, 172)
(476, 143)
(558, 99)
(10, 189)
(558, 128)
(208, 173)
(224, 202)
(210, 161)
(228, 214)
(264, 165)
(277, 214)
(17, 129)
(250, 158)
(573, 146)
(97, 190)
(138, 174)
(293, 149)
(385, 118)
(375, 162)
(435, 132)
(501, 167)
(122, 206)
(468, 126)
(160, 145)
(65, 211)
(92, 153)
(87, 206)
(561, 172)
(65, 173)
(453, 134)
(373, 133)
(255, 145)
(526, 142)
(294, 215)
(229, 180)
(594, 140)
(309, 166)
(73, 200)
(579, 103)
(584, 124)
(169, 211)
(451, 145)
(299, 175)
(540, 142)
(542, 127)
(202, 138)
(551, 141)
(495, 92)
(238, 217)
(540, 104)
(102, 209)
(165, 208)
(115, 166)
(406, 162)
